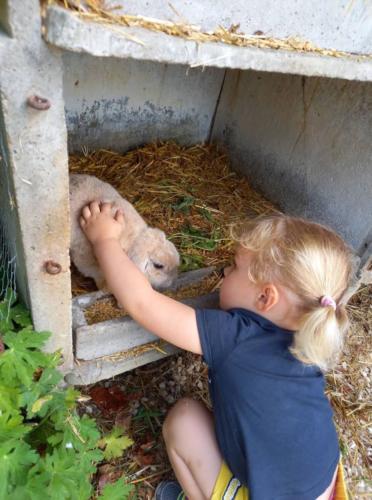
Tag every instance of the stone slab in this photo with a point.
(89, 372)
(66, 30)
(123, 334)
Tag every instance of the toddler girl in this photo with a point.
(271, 435)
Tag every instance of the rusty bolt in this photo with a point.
(37, 102)
(52, 267)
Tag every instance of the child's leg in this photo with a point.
(192, 448)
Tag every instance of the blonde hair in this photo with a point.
(312, 261)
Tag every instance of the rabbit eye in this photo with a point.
(157, 265)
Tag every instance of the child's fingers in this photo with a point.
(83, 222)
(119, 217)
(94, 207)
(86, 213)
(106, 208)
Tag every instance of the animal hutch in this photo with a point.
(290, 99)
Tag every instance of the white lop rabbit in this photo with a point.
(146, 246)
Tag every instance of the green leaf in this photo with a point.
(193, 237)
(114, 443)
(6, 310)
(10, 400)
(190, 262)
(80, 433)
(183, 204)
(71, 396)
(147, 414)
(12, 427)
(88, 430)
(15, 458)
(59, 477)
(19, 362)
(41, 389)
(26, 339)
(36, 407)
(116, 491)
(5, 319)
(21, 316)
(206, 214)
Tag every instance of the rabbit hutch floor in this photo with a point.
(192, 194)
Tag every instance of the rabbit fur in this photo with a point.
(146, 246)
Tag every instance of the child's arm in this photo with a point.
(165, 317)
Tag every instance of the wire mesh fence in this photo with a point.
(8, 253)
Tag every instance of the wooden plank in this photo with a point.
(184, 279)
(89, 372)
(123, 334)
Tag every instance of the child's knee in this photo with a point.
(181, 417)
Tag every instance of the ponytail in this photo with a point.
(308, 259)
(319, 339)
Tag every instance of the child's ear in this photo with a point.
(268, 297)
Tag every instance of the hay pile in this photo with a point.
(349, 387)
(98, 11)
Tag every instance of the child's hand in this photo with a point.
(99, 224)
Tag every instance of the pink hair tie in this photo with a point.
(327, 301)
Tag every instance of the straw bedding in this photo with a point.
(192, 194)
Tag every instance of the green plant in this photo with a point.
(147, 415)
(47, 451)
(190, 262)
(183, 204)
(195, 238)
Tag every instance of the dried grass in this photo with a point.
(97, 11)
(349, 388)
(158, 345)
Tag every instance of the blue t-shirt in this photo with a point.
(274, 424)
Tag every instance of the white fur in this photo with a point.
(144, 245)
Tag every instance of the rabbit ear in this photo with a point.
(157, 232)
(143, 264)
